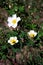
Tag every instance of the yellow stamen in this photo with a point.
(13, 41)
(31, 35)
(14, 21)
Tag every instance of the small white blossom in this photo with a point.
(32, 33)
(13, 40)
(13, 21)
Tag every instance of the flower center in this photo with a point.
(32, 35)
(14, 21)
(13, 41)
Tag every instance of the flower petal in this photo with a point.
(31, 31)
(18, 19)
(35, 33)
(9, 24)
(17, 41)
(9, 19)
(11, 38)
(8, 41)
(14, 26)
(15, 38)
(14, 16)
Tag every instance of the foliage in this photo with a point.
(29, 51)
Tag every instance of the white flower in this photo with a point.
(13, 40)
(13, 21)
(32, 33)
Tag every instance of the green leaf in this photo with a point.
(21, 8)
